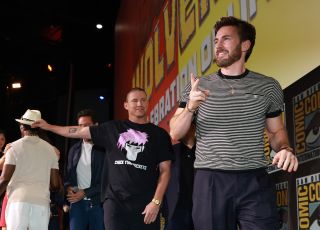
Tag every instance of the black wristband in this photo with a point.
(190, 110)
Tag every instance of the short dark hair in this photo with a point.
(30, 129)
(246, 30)
(87, 113)
(135, 89)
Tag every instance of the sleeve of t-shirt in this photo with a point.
(165, 151)
(55, 161)
(275, 98)
(10, 157)
(99, 134)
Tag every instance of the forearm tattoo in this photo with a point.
(73, 130)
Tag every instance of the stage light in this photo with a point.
(50, 68)
(99, 26)
(101, 98)
(16, 85)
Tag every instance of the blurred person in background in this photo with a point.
(83, 179)
(30, 170)
(3, 198)
(177, 204)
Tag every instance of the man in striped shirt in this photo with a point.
(231, 110)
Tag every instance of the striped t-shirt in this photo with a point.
(231, 122)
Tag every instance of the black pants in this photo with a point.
(126, 215)
(224, 200)
(181, 220)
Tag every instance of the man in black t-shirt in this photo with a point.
(138, 158)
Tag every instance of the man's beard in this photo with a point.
(234, 56)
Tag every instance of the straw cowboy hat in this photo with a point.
(29, 117)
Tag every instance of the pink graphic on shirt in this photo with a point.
(133, 141)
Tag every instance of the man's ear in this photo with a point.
(125, 105)
(245, 46)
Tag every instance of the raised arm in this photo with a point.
(66, 131)
(279, 141)
(181, 121)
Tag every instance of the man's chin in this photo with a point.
(141, 114)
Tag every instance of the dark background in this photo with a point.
(61, 33)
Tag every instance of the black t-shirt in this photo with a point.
(133, 152)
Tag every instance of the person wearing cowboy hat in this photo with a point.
(30, 170)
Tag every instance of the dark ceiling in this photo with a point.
(61, 33)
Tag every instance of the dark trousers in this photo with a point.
(83, 215)
(181, 220)
(126, 215)
(224, 200)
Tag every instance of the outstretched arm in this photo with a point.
(279, 141)
(66, 131)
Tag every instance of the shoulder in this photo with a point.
(208, 78)
(265, 83)
(262, 77)
(103, 126)
(158, 128)
(56, 151)
(16, 144)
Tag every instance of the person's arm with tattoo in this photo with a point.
(66, 131)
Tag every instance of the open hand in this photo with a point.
(286, 160)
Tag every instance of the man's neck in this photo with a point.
(30, 134)
(235, 69)
(139, 120)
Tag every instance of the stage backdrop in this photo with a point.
(160, 42)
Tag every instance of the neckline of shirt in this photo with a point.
(137, 124)
(223, 76)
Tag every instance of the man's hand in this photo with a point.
(74, 197)
(151, 212)
(40, 124)
(66, 208)
(196, 95)
(286, 160)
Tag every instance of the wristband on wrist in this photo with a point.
(190, 110)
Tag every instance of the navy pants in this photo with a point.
(83, 215)
(224, 200)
